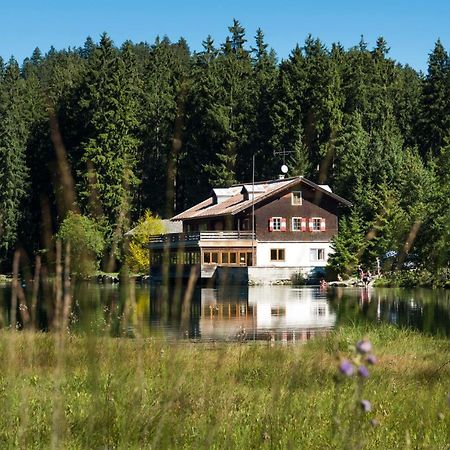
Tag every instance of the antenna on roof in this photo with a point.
(284, 167)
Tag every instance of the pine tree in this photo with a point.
(348, 245)
(351, 156)
(389, 227)
(435, 123)
(14, 174)
(287, 114)
(109, 149)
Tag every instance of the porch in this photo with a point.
(202, 239)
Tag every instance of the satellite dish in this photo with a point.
(284, 168)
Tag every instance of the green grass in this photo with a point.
(86, 392)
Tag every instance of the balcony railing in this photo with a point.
(195, 236)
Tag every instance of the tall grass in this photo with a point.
(99, 392)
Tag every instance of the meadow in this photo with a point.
(59, 390)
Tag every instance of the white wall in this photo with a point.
(297, 254)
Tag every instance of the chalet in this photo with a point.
(264, 232)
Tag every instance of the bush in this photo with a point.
(86, 243)
(298, 279)
(138, 254)
(416, 278)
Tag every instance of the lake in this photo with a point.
(272, 313)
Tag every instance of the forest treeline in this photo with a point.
(112, 132)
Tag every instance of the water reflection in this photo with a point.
(421, 309)
(239, 313)
(247, 313)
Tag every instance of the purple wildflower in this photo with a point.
(366, 405)
(346, 368)
(374, 423)
(363, 372)
(371, 359)
(363, 347)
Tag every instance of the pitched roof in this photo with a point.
(239, 197)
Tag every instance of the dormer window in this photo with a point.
(296, 198)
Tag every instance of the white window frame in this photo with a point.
(314, 254)
(319, 219)
(293, 203)
(299, 224)
(273, 221)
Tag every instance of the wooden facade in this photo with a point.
(218, 231)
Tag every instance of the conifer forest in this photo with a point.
(112, 132)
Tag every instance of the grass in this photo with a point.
(99, 392)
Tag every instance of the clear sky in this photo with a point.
(410, 27)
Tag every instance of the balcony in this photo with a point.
(196, 237)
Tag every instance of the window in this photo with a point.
(233, 257)
(210, 257)
(277, 254)
(317, 224)
(317, 254)
(297, 224)
(297, 198)
(225, 258)
(242, 259)
(276, 224)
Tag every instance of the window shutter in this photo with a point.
(271, 224)
(322, 225)
(283, 224)
(310, 224)
(303, 223)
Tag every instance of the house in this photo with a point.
(261, 232)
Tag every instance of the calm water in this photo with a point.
(257, 312)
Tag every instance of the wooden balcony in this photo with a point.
(197, 238)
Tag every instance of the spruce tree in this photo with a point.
(109, 109)
(435, 123)
(14, 174)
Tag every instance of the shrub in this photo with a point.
(138, 254)
(86, 243)
(298, 279)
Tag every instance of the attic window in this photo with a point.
(296, 198)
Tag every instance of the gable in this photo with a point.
(239, 198)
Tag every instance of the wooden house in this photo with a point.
(269, 230)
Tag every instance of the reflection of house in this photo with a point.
(271, 312)
(281, 307)
(283, 225)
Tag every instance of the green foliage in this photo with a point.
(86, 243)
(14, 173)
(115, 131)
(298, 279)
(109, 108)
(439, 278)
(348, 246)
(138, 254)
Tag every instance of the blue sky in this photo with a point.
(410, 27)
